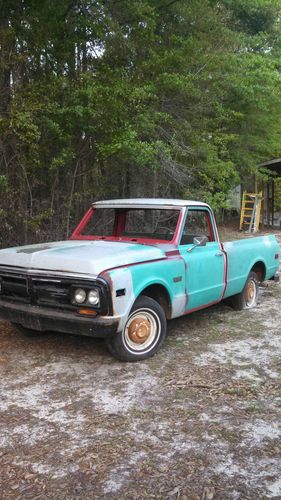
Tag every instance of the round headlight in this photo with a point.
(94, 297)
(80, 295)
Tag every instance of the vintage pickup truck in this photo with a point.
(129, 266)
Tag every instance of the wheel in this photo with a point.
(143, 334)
(27, 332)
(249, 296)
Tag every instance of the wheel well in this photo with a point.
(160, 294)
(259, 269)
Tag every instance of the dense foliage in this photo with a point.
(117, 98)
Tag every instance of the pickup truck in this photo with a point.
(129, 266)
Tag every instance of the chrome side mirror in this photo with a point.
(198, 241)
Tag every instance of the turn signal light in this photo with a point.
(87, 312)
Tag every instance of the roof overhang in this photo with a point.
(273, 165)
(160, 203)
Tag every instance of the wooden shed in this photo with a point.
(268, 189)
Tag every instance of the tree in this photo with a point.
(131, 98)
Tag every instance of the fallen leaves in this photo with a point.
(188, 382)
(180, 436)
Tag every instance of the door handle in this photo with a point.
(219, 254)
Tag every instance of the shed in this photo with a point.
(268, 211)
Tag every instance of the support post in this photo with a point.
(272, 201)
(262, 205)
(267, 204)
(256, 183)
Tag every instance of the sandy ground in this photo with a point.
(200, 420)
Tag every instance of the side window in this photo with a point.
(197, 223)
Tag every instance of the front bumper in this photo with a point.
(44, 319)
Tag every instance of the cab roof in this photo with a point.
(148, 202)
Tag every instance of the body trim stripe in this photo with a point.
(132, 264)
(202, 307)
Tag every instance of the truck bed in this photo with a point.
(242, 255)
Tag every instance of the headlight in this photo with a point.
(80, 295)
(93, 297)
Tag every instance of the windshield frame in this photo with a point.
(78, 231)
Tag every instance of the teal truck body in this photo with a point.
(130, 266)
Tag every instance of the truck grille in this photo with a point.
(18, 285)
(14, 288)
(50, 293)
(35, 290)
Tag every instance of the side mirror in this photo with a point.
(199, 241)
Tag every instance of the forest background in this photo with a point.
(124, 98)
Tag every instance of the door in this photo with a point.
(205, 265)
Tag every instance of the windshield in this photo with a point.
(132, 224)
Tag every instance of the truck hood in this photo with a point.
(84, 257)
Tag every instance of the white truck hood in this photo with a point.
(84, 257)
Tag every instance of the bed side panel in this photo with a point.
(244, 254)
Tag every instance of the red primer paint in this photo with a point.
(201, 307)
(178, 231)
(121, 220)
(210, 226)
(78, 230)
(215, 227)
(171, 253)
(121, 239)
(119, 227)
(185, 289)
(225, 270)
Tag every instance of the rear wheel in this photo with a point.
(249, 296)
(143, 334)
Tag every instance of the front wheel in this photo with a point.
(248, 298)
(143, 333)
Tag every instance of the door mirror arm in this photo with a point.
(198, 241)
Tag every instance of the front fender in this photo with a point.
(127, 283)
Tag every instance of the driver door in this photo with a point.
(204, 265)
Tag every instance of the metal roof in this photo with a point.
(270, 162)
(148, 202)
(274, 165)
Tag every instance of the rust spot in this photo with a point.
(139, 330)
(106, 276)
(250, 291)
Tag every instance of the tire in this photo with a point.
(140, 341)
(248, 298)
(27, 332)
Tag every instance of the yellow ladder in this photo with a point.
(251, 211)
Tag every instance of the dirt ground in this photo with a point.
(200, 420)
